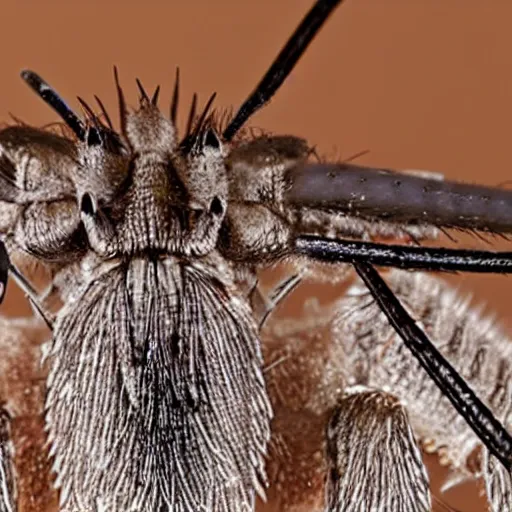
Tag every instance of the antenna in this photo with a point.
(283, 64)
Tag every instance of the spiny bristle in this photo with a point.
(121, 101)
(88, 112)
(144, 98)
(104, 112)
(202, 117)
(175, 97)
(154, 98)
(191, 115)
(195, 129)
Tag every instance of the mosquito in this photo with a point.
(156, 393)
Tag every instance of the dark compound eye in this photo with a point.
(216, 207)
(211, 139)
(93, 137)
(87, 205)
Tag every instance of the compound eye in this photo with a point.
(216, 206)
(211, 139)
(93, 137)
(88, 205)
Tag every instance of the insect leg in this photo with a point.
(383, 194)
(5, 267)
(266, 305)
(476, 345)
(32, 295)
(407, 257)
(367, 418)
(479, 417)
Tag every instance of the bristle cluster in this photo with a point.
(198, 124)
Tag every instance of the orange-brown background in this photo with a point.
(421, 84)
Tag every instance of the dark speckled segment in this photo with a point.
(388, 195)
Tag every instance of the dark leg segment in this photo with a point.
(478, 416)
(401, 197)
(402, 256)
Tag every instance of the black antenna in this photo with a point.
(50, 96)
(283, 64)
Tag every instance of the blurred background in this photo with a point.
(424, 84)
